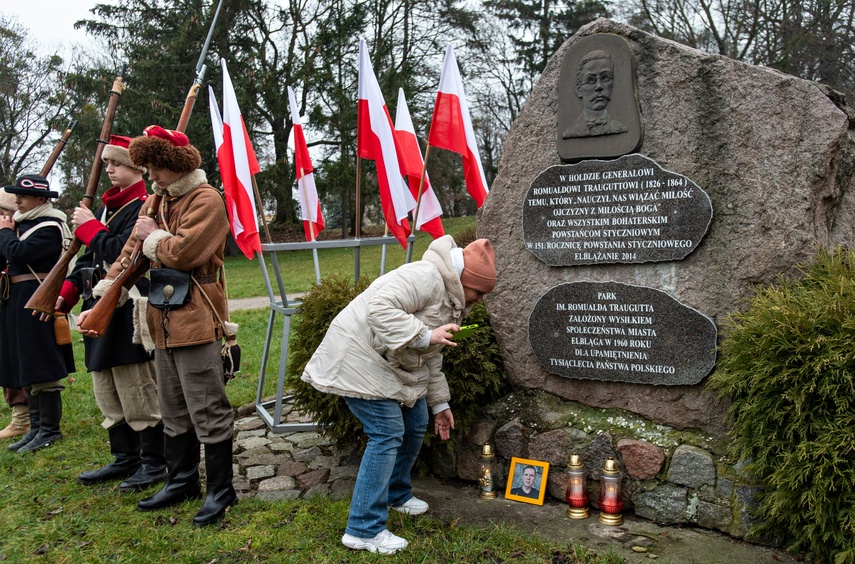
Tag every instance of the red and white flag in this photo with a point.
(310, 204)
(412, 164)
(237, 165)
(376, 141)
(451, 127)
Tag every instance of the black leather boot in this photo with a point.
(33, 405)
(153, 467)
(125, 447)
(50, 414)
(221, 495)
(182, 461)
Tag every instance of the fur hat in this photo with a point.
(7, 201)
(164, 148)
(32, 185)
(479, 266)
(117, 151)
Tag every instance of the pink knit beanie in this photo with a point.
(479, 266)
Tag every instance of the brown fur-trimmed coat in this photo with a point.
(191, 235)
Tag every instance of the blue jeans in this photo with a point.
(395, 435)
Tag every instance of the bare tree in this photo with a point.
(34, 102)
(813, 39)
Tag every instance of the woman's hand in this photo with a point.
(442, 334)
(443, 423)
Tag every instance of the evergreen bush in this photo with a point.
(474, 369)
(787, 365)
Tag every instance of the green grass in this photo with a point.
(297, 267)
(47, 516)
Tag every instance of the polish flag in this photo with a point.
(310, 204)
(237, 165)
(412, 165)
(376, 141)
(451, 127)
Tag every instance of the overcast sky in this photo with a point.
(51, 22)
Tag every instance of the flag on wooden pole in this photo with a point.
(310, 204)
(376, 141)
(412, 165)
(451, 127)
(237, 165)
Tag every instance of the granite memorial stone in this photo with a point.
(629, 210)
(598, 112)
(621, 333)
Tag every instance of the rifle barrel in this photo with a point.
(99, 317)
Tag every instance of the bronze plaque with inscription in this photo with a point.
(621, 333)
(598, 110)
(629, 210)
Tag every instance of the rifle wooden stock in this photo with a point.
(99, 317)
(58, 149)
(44, 298)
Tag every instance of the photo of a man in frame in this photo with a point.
(526, 487)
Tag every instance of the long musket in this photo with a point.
(60, 145)
(101, 314)
(44, 298)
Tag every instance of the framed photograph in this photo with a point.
(527, 480)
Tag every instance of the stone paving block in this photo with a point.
(253, 442)
(281, 446)
(323, 462)
(310, 479)
(317, 490)
(259, 472)
(291, 468)
(340, 472)
(267, 458)
(277, 483)
(257, 451)
(250, 423)
(278, 495)
(243, 435)
(307, 454)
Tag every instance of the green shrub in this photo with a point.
(787, 364)
(474, 369)
(319, 308)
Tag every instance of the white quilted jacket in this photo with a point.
(367, 350)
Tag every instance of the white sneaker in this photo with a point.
(384, 543)
(413, 506)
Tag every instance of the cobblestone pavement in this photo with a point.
(274, 466)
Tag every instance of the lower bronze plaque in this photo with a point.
(621, 333)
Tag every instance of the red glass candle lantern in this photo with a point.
(611, 500)
(577, 489)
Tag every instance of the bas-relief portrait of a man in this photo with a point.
(598, 114)
(595, 78)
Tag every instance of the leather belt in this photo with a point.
(25, 277)
(206, 278)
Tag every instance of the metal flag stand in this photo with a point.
(280, 304)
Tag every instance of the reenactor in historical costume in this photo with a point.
(16, 398)
(186, 242)
(123, 376)
(34, 355)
